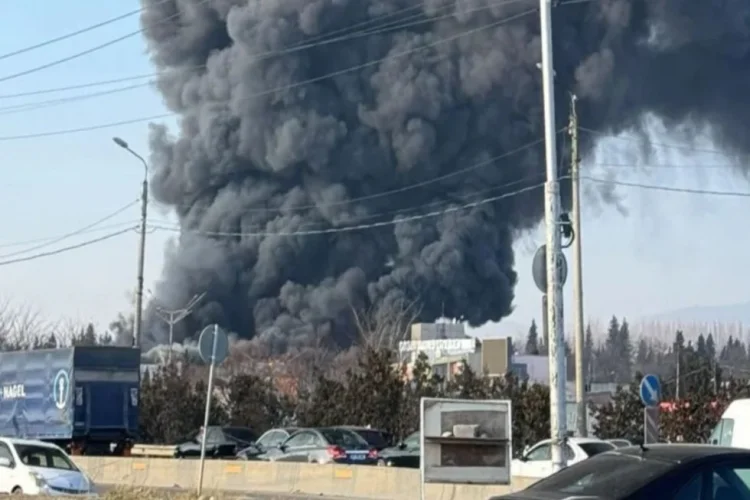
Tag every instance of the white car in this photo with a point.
(536, 461)
(39, 468)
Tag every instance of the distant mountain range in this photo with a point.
(734, 313)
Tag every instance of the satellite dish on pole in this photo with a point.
(539, 268)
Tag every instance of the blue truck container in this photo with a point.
(85, 398)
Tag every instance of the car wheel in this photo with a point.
(17, 491)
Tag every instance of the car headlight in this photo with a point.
(40, 482)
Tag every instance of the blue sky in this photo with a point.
(670, 251)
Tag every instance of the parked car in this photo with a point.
(324, 446)
(407, 453)
(270, 439)
(667, 471)
(620, 443)
(536, 461)
(221, 442)
(39, 468)
(377, 438)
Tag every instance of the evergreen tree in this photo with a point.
(532, 340)
(588, 353)
(641, 353)
(610, 353)
(711, 347)
(623, 416)
(624, 353)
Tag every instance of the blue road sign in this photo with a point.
(650, 391)
(213, 336)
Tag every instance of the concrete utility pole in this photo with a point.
(581, 424)
(173, 317)
(556, 342)
(141, 245)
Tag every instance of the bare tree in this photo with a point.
(21, 326)
(383, 327)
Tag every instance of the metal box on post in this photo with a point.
(465, 441)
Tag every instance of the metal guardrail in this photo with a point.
(153, 450)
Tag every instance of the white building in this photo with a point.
(447, 346)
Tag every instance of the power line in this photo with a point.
(736, 194)
(156, 224)
(98, 229)
(79, 86)
(322, 36)
(403, 189)
(358, 227)
(66, 249)
(86, 52)
(311, 43)
(34, 105)
(69, 35)
(280, 88)
(648, 166)
(460, 198)
(350, 228)
(72, 233)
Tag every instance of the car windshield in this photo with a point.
(44, 456)
(620, 443)
(344, 438)
(592, 449)
(374, 438)
(412, 440)
(607, 476)
(245, 436)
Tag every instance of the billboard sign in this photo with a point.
(465, 441)
(439, 347)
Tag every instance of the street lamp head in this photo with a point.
(120, 142)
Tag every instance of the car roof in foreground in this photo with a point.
(623, 471)
(29, 442)
(680, 453)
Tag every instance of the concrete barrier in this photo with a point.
(362, 482)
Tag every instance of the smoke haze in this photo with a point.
(313, 115)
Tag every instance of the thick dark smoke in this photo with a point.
(260, 152)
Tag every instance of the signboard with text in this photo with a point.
(439, 347)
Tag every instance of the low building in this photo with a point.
(447, 347)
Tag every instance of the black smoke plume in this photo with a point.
(297, 115)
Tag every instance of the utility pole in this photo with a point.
(577, 271)
(173, 317)
(141, 244)
(556, 342)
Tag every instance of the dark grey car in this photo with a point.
(270, 439)
(324, 446)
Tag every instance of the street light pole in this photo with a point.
(173, 317)
(141, 245)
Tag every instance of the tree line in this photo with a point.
(616, 355)
(367, 386)
(377, 392)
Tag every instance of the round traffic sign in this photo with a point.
(539, 268)
(213, 344)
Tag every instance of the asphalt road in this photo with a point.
(104, 488)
